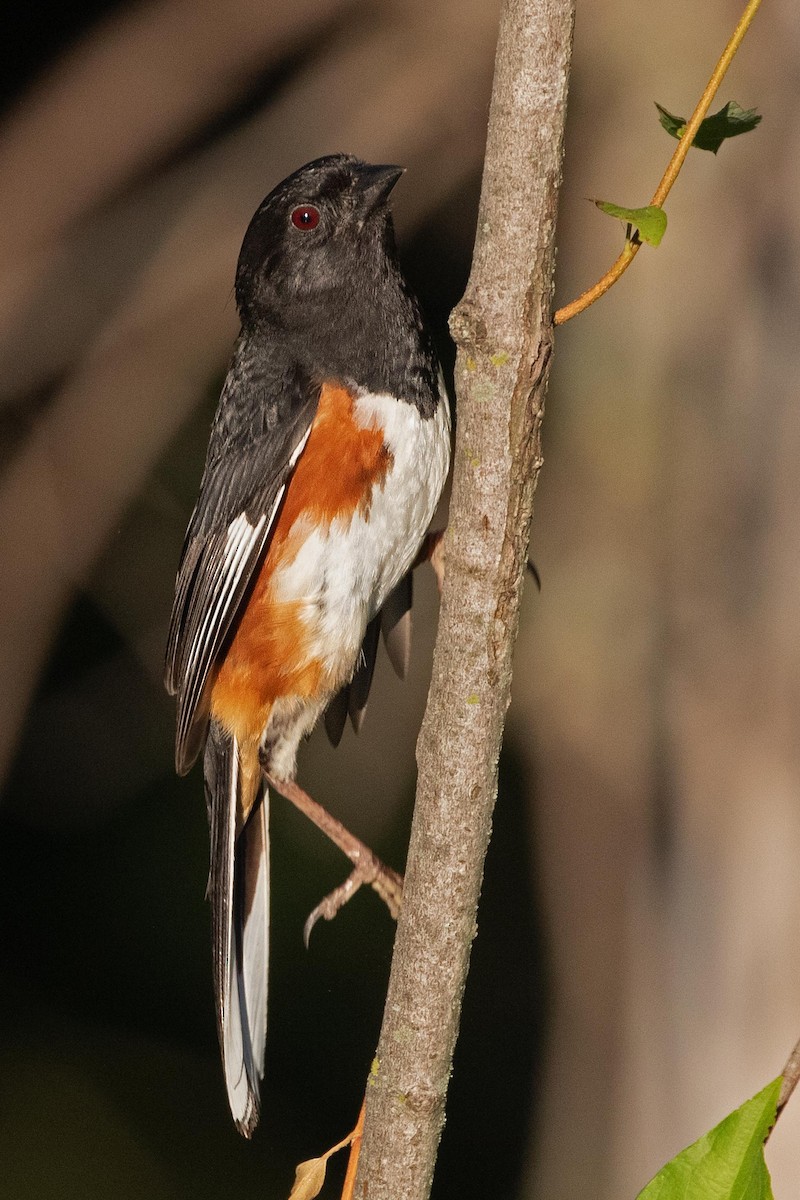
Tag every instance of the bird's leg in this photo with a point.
(367, 867)
(432, 551)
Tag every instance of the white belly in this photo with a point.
(342, 575)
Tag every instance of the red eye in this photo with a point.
(305, 217)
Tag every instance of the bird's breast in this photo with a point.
(356, 509)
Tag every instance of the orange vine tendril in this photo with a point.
(671, 174)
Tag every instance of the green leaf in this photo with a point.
(728, 1162)
(729, 122)
(650, 221)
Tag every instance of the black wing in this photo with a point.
(261, 427)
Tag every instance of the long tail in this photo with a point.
(238, 888)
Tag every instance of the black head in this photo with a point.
(324, 229)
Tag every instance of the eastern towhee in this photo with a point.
(326, 461)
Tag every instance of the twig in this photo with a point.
(355, 1153)
(791, 1076)
(631, 249)
(310, 1175)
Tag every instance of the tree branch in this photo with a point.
(502, 328)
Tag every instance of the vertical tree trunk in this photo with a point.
(502, 328)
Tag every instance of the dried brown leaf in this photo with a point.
(309, 1178)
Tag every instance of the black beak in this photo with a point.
(375, 183)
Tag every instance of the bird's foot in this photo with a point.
(432, 551)
(367, 867)
(386, 882)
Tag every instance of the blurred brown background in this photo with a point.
(637, 971)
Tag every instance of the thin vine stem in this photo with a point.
(791, 1076)
(631, 248)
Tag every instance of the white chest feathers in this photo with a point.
(343, 573)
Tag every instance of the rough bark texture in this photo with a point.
(502, 328)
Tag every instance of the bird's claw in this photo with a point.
(385, 881)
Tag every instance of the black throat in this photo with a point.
(365, 331)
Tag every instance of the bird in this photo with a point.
(326, 460)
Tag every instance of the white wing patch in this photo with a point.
(228, 569)
(240, 539)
